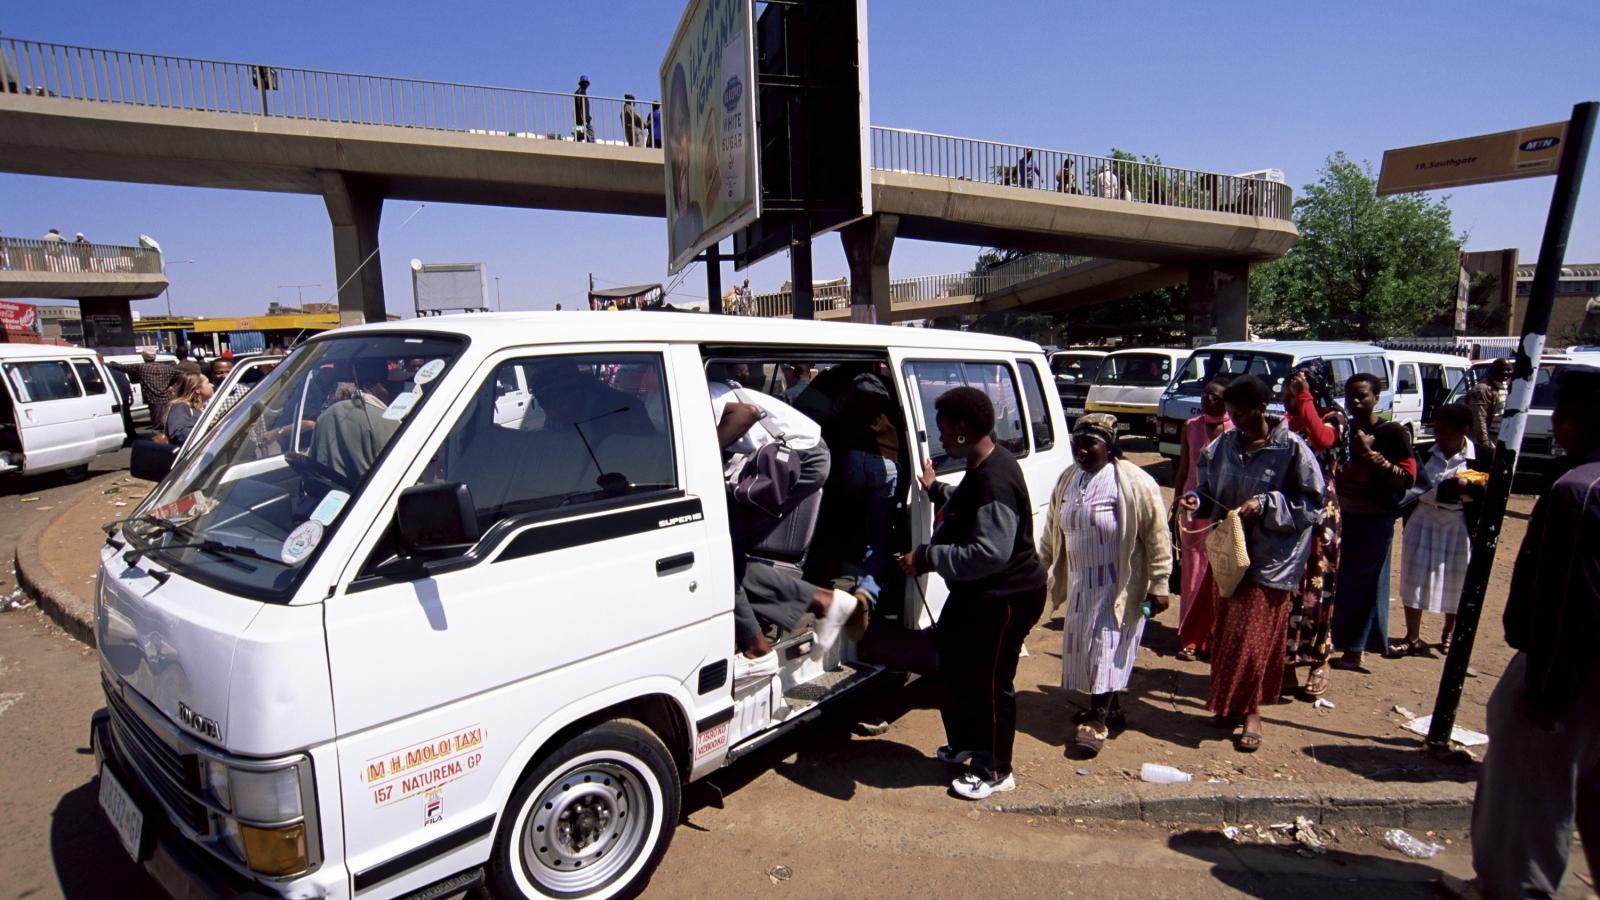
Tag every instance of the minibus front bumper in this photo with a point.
(182, 869)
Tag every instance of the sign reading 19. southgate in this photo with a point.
(708, 125)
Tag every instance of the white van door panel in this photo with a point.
(55, 422)
(439, 678)
(101, 401)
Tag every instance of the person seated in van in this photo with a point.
(191, 396)
(351, 433)
(1437, 541)
(861, 429)
(572, 396)
(983, 549)
(797, 376)
(746, 421)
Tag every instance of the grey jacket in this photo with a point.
(1284, 475)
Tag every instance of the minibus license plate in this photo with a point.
(124, 814)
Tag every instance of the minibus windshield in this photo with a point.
(1204, 365)
(248, 511)
(1135, 370)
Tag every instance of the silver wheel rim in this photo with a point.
(586, 828)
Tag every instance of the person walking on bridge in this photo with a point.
(582, 118)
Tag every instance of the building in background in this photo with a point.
(61, 322)
(1576, 316)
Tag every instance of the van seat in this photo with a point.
(789, 540)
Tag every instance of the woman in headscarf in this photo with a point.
(1314, 415)
(1265, 474)
(1108, 554)
(983, 549)
(1198, 597)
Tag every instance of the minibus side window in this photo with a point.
(1044, 433)
(595, 428)
(931, 379)
(89, 374)
(37, 381)
(1342, 370)
(1374, 365)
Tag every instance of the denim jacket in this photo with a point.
(1283, 474)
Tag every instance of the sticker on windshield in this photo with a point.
(328, 509)
(401, 405)
(300, 542)
(429, 371)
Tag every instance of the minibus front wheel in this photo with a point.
(592, 819)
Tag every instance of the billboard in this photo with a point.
(708, 125)
(443, 287)
(20, 318)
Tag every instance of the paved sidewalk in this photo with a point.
(1354, 763)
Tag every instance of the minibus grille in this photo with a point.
(170, 774)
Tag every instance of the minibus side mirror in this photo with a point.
(151, 461)
(434, 517)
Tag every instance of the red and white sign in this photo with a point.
(22, 317)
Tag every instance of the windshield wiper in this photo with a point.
(161, 524)
(218, 548)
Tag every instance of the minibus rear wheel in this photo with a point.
(592, 819)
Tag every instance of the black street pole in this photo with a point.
(1535, 325)
(714, 279)
(800, 271)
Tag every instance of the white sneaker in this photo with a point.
(829, 626)
(747, 669)
(975, 787)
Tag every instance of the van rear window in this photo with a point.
(34, 382)
(1136, 370)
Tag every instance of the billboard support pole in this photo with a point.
(1535, 324)
(802, 306)
(714, 279)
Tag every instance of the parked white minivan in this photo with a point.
(1271, 361)
(1421, 382)
(408, 645)
(58, 410)
(1130, 384)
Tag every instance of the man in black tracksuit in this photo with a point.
(984, 551)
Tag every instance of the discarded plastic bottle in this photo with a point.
(1159, 774)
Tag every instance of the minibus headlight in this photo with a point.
(270, 796)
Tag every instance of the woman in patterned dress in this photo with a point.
(1108, 554)
(1197, 604)
(1269, 477)
(1313, 414)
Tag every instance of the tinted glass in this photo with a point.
(89, 374)
(1136, 370)
(33, 382)
(561, 431)
(1075, 368)
(1044, 433)
(1374, 365)
(931, 379)
(995, 380)
(1405, 376)
(1205, 365)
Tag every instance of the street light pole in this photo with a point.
(299, 291)
(167, 291)
(497, 306)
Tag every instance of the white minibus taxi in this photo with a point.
(376, 637)
(1421, 382)
(1271, 361)
(1130, 383)
(58, 409)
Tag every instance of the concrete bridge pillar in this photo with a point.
(354, 209)
(1219, 301)
(868, 245)
(107, 324)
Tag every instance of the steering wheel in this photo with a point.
(306, 466)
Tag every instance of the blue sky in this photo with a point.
(1221, 86)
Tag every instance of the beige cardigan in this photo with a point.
(1143, 544)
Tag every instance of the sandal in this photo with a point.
(1347, 663)
(1188, 654)
(1419, 647)
(1091, 738)
(1248, 742)
(1317, 681)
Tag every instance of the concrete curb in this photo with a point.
(63, 605)
(1417, 806)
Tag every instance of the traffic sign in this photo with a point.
(1506, 155)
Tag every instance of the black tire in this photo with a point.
(76, 473)
(591, 784)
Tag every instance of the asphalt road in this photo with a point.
(823, 813)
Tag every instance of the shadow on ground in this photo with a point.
(89, 860)
(1261, 870)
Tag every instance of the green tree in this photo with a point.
(1365, 267)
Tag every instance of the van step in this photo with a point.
(827, 683)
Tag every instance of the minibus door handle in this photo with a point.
(670, 565)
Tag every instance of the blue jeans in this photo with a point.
(873, 481)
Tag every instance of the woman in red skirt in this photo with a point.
(1270, 477)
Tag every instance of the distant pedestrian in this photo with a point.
(1028, 174)
(1067, 178)
(655, 124)
(55, 248)
(633, 130)
(186, 365)
(1487, 401)
(1264, 474)
(1541, 776)
(1313, 415)
(582, 119)
(1437, 539)
(1197, 597)
(983, 549)
(124, 389)
(155, 382)
(82, 251)
(187, 402)
(1109, 556)
(1382, 468)
(219, 371)
(1107, 183)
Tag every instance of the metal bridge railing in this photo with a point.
(202, 85)
(64, 257)
(1015, 165)
(928, 290)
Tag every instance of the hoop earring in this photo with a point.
(961, 439)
